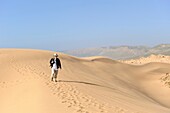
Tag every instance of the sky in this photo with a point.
(74, 24)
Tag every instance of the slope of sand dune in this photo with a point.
(89, 85)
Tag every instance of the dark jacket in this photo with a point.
(57, 62)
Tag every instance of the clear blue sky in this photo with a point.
(72, 24)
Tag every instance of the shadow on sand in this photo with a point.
(86, 83)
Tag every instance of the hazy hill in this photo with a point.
(121, 52)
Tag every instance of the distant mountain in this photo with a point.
(121, 52)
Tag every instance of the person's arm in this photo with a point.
(51, 62)
(59, 63)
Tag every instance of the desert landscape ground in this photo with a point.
(85, 85)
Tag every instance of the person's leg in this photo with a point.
(52, 74)
(55, 75)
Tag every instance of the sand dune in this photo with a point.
(151, 58)
(86, 85)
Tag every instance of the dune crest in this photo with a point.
(85, 85)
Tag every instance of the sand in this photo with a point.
(85, 85)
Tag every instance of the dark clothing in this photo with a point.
(58, 63)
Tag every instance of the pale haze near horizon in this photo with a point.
(73, 24)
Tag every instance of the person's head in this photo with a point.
(55, 55)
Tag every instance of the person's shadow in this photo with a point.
(86, 83)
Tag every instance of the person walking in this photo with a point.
(55, 64)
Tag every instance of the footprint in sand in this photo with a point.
(165, 79)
